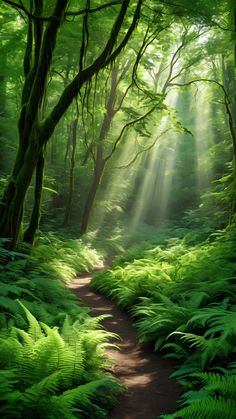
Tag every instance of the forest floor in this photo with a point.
(150, 392)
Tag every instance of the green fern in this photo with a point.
(52, 354)
(209, 348)
(183, 299)
(211, 408)
(159, 319)
(45, 371)
(224, 384)
(216, 399)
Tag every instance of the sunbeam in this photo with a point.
(203, 135)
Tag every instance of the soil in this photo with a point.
(150, 392)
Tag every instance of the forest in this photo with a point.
(118, 209)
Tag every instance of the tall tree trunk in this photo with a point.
(53, 149)
(68, 143)
(13, 200)
(2, 105)
(71, 179)
(100, 161)
(229, 81)
(98, 171)
(33, 227)
(234, 19)
(30, 140)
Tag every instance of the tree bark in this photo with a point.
(13, 200)
(11, 207)
(100, 162)
(98, 171)
(33, 227)
(229, 81)
(71, 179)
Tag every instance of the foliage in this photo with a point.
(216, 398)
(56, 254)
(52, 353)
(160, 160)
(47, 373)
(182, 298)
(39, 280)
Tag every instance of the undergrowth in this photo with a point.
(52, 353)
(182, 298)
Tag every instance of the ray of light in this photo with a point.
(203, 134)
(155, 187)
(120, 182)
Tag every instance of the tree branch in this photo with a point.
(95, 9)
(123, 98)
(105, 58)
(226, 103)
(21, 7)
(147, 40)
(125, 166)
(129, 124)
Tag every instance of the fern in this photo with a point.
(209, 348)
(52, 354)
(205, 409)
(46, 370)
(214, 400)
(85, 396)
(159, 319)
(183, 299)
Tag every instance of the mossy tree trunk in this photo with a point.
(33, 227)
(34, 132)
(73, 136)
(2, 104)
(36, 67)
(4, 59)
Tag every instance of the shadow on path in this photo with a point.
(151, 392)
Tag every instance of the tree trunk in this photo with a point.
(33, 227)
(11, 207)
(229, 81)
(30, 135)
(2, 106)
(71, 180)
(98, 171)
(68, 144)
(100, 161)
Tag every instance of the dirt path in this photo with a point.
(146, 375)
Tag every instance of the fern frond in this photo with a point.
(224, 384)
(48, 385)
(209, 348)
(85, 396)
(34, 331)
(10, 352)
(210, 408)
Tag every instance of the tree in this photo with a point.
(35, 132)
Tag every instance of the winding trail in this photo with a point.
(150, 391)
